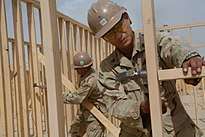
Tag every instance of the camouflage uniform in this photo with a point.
(123, 98)
(84, 119)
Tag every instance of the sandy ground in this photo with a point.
(195, 106)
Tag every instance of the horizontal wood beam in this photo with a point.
(177, 27)
(197, 46)
(177, 73)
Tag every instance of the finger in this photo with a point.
(193, 65)
(126, 41)
(199, 62)
(119, 36)
(123, 37)
(203, 61)
(185, 67)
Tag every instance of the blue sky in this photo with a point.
(167, 12)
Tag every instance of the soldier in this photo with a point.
(87, 91)
(122, 74)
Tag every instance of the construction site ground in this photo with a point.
(196, 112)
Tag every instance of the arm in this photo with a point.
(175, 53)
(78, 96)
(108, 83)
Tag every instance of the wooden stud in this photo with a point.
(6, 73)
(203, 90)
(195, 105)
(152, 67)
(3, 127)
(83, 40)
(97, 54)
(179, 27)
(35, 78)
(65, 58)
(89, 45)
(101, 50)
(16, 93)
(53, 70)
(21, 68)
(77, 38)
(93, 45)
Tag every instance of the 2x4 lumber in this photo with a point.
(114, 130)
(77, 39)
(3, 127)
(83, 31)
(53, 70)
(34, 61)
(152, 66)
(89, 46)
(20, 68)
(203, 86)
(97, 53)
(70, 38)
(63, 34)
(195, 105)
(16, 94)
(178, 26)
(6, 73)
(177, 73)
(93, 46)
(30, 87)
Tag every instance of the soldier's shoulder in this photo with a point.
(166, 37)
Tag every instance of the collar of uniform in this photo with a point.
(124, 61)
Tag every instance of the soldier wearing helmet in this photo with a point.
(124, 95)
(84, 121)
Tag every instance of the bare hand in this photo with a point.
(195, 63)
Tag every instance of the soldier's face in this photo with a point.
(82, 71)
(121, 35)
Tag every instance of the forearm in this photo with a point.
(174, 52)
(73, 98)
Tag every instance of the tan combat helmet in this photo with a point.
(82, 60)
(103, 15)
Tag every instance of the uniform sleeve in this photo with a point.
(108, 80)
(78, 96)
(110, 86)
(173, 51)
(81, 94)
